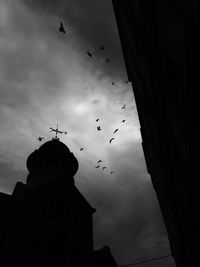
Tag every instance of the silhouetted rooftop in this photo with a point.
(52, 153)
(54, 146)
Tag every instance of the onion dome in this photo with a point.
(53, 154)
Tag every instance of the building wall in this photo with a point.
(160, 46)
(8, 210)
(49, 229)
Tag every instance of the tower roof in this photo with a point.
(54, 147)
(52, 153)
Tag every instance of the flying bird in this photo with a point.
(113, 83)
(97, 166)
(107, 60)
(99, 128)
(97, 119)
(89, 54)
(61, 28)
(102, 47)
(111, 140)
(116, 130)
(99, 161)
(123, 120)
(81, 148)
(104, 168)
(111, 172)
(40, 138)
(123, 106)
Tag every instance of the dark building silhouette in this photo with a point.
(47, 222)
(104, 258)
(161, 51)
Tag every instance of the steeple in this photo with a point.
(53, 223)
(49, 222)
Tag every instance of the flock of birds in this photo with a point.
(82, 148)
(99, 127)
(62, 30)
(110, 141)
(107, 60)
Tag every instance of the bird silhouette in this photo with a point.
(99, 128)
(107, 60)
(97, 119)
(113, 83)
(40, 138)
(89, 54)
(81, 148)
(61, 28)
(111, 140)
(104, 168)
(111, 172)
(123, 106)
(97, 166)
(99, 161)
(102, 47)
(116, 130)
(123, 120)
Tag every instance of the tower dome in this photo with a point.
(53, 158)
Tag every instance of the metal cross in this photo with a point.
(57, 132)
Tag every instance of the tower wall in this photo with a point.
(52, 223)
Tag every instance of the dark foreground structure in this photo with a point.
(160, 44)
(47, 222)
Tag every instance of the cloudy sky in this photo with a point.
(46, 78)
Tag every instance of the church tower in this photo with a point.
(52, 225)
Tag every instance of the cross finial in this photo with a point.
(57, 132)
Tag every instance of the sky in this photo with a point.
(47, 78)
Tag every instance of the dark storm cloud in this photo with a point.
(94, 23)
